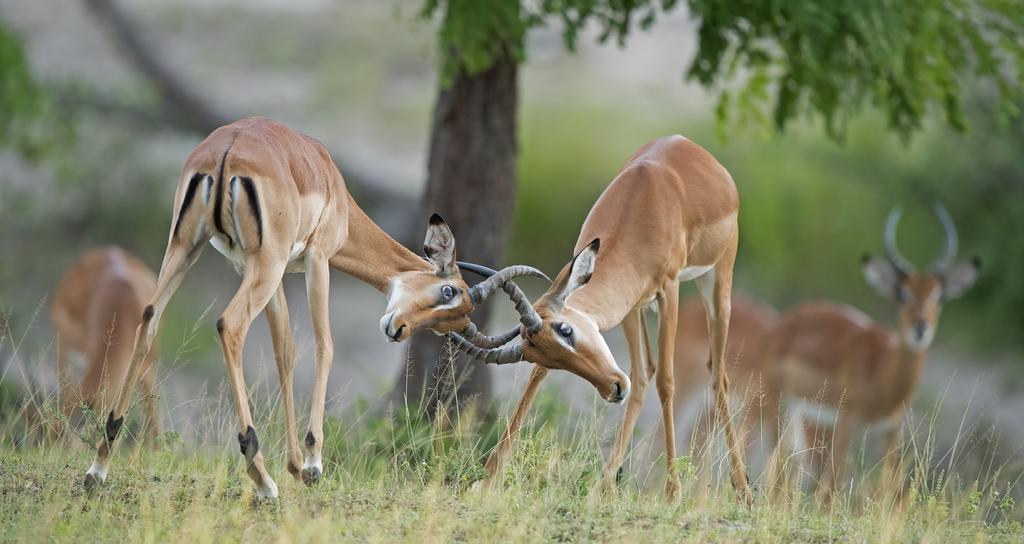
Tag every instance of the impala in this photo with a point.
(272, 201)
(669, 216)
(832, 363)
(94, 312)
(749, 325)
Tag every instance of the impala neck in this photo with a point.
(372, 256)
(613, 291)
(908, 370)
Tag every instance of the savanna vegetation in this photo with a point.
(826, 114)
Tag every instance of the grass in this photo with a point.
(400, 478)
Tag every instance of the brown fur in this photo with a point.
(95, 309)
(298, 217)
(672, 207)
(833, 355)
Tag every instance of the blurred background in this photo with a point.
(98, 161)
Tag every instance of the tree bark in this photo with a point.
(472, 183)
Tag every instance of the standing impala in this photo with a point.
(272, 201)
(669, 216)
(831, 362)
(95, 311)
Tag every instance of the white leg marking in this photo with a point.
(98, 470)
(268, 491)
(706, 287)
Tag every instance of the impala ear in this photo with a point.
(439, 246)
(960, 278)
(882, 276)
(581, 270)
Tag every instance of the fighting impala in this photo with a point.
(95, 310)
(272, 201)
(669, 216)
(831, 364)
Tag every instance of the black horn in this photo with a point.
(502, 279)
(477, 338)
(495, 356)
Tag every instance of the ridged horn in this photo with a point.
(494, 356)
(477, 338)
(891, 251)
(949, 254)
(495, 279)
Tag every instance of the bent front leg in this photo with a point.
(499, 456)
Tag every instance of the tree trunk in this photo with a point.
(472, 183)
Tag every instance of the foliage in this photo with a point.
(26, 123)
(801, 59)
(809, 208)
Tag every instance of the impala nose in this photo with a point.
(920, 329)
(619, 392)
(387, 326)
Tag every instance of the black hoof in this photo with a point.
(310, 476)
(91, 483)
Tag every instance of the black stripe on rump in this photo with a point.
(219, 202)
(190, 193)
(250, 190)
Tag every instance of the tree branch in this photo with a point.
(187, 110)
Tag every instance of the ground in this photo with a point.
(395, 480)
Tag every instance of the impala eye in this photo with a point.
(565, 330)
(447, 292)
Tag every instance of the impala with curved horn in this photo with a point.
(831, 365)
(669, 216)
(272, 201)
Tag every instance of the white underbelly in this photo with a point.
(235, 255)
(693, 272)
(823, 415)
(297, 258)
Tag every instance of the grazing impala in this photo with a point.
(749, 325)
(272, 201)
(95, 311)
(669, 216)
(832, 363)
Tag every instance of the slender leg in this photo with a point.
(835, 457)
(177, 261)
(638, 375)
(499, 456)
(668, 310)
(284, 355)
(317, 289)
(716, 290)
(259, 282)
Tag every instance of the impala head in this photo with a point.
(557, 336)
(920, 294)
(437, 297)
